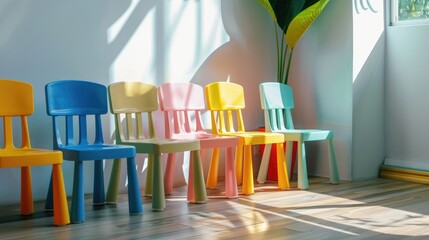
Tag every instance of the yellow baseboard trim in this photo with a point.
(404, 174)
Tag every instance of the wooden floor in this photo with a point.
(376, 209)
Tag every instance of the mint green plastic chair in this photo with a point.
(134, 100)
(277, 103)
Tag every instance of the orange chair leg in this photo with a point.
(248, 187)
(239, 164)
(213, 170)
(61, 211)
(27, 206)
(283, 179)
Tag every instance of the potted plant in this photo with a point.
(293, 17)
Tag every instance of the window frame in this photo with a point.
(394, 18)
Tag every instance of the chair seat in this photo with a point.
(96, 152)
(192, 135)
(162, 145)
(209, 140)
(256, 138)
(306, 134)
(28, 157)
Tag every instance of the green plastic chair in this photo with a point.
(132, 100)
(277, 102)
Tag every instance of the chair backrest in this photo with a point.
(225, 98)
(132, 100)
(16, 100)
(277, 103)
(69, 98)
(181, 102)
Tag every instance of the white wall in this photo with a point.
(407, 83)
(321, 77)
(160, 41)
(154, 41)
(368, 149)
(344, 90)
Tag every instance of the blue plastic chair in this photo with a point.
(277, 103)
(72, 100)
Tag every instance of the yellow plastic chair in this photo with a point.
(277, 103)
(16, 101)
(132, 100)
(223, 100)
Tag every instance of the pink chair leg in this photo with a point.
(169, 173)
(191, 195)
(230, 179)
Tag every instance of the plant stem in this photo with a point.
(278, 53)
(288, 66)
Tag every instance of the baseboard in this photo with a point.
(404, 174)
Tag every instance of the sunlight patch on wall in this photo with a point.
(193, 30)
(170, 43)
(368, 25)
(136, 60)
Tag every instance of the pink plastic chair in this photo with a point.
(182, 102)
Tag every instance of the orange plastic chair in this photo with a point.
(180, 103)
(277, 102)
(223, 100)
(16, 100)
(134, 100)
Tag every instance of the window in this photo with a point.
(410, 12)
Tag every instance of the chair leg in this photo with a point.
(283, 179)
(213, 170)
(99, 197)
(169, 173)
(61, 211)
(289, 161)
(149, 176)
(263, 169)
(49, 204)
(78, 204)
(191, 191)
(293, 162)
(302, 167)
(230, 179)
(134, 200)
(113, 188)
(333, 165)
(158, 196)
(27, 206)
(197, 187)
(248, 187)
(239, 164)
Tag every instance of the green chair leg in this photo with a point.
(113, 188)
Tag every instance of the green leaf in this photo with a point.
(302, 22)
(266, 4)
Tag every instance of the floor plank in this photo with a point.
(374, 209)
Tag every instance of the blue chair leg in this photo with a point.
(78, 204)
(98, 192)
(134, 199)
(49, 204)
